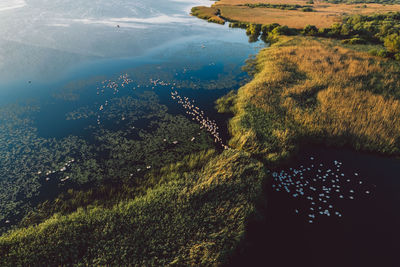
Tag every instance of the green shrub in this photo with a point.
(283, 30)
(253, 29)
(307, 9)
(392, 43)
(267, 28)
(310, 30)
(238, 24)
(383, 53)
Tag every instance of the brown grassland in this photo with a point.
(315, 90)
(324, 15)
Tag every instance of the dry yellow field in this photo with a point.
(324, 15)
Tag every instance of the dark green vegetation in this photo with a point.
(388, 2)
(267, 32)
(277, 6)
(307, 9)
(191, 218)
(376, 29)
(112, 157)
(381, 30)
(20, 146)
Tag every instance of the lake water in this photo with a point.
(73, 72)
(52, 42)
(365, 232)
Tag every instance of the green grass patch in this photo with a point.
(193, 218)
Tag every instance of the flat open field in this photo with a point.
(324, 14)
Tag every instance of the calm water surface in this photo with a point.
(366, 233)
(49, 48)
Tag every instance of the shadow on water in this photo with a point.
(366, 235)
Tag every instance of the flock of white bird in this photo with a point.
(195, 112)
(122, 81)
(198, 115)
(320, 186)
(61, 170)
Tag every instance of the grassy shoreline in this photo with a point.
(314, 90)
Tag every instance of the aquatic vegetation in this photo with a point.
(138, 121)
(220, 194)
(74, 90)
(28, 161)
(187, 76)
(80, 113)
(109, 193)
(134, 132)
(130, 108)
(167, 140)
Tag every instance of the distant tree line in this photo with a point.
(379, 29)
(277, 6)
(363, 1)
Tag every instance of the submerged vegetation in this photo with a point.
(35, 157)
(192, 218)
(145, 128)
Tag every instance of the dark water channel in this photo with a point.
(366, 233)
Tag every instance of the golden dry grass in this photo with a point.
(316, 90)
(324, 16)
